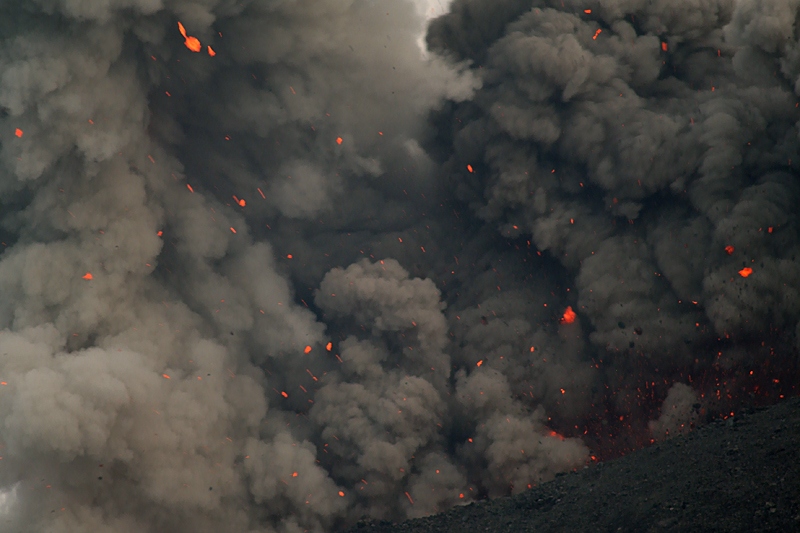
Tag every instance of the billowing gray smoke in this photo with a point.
(305, 273)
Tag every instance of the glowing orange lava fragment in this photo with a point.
(211, 52)
(587, 11)
(233, 230)
(289, 256)
(18, 132)
(746, 271)
(469, 167)
(339, 140)
(189, 187)
(341, 493)
(88, 275)
(729, 249)
(569, 316)
(192, 43)
(242, 203)
(409, 497)
(480, 363)
(533, 349)
(165, 376)
(284, 394)
(664, 46)
(329, 346)
(596, 33)
(3, 383)
(307, 350)
(294, 474)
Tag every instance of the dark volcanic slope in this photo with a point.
(741, 474)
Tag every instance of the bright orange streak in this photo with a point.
(341, 493)
(596, 33)
(18, 132)
(165, 376)
(587, 11)
(307, 350)
(88, 275)
(189, 187)
(294, 474)
(261, 193)
(729, 249)
(233, 230)
(533, 349)
(339, 140)
(569, 316)
(745, 272)
(469, 168)
(289, 256)
(211, 52)
(242, 203)
(479, 363)
(192, 43)
(284, 394)
(409, 498)
(329, 346)
(160, 233)
(3, 383)
(664, 47)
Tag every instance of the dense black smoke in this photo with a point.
(309, 273)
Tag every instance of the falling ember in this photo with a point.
(469, 168)
(189, 187)
(729, 249)
(294, 474)
(596, 34)
(329, 346)
(664, 46)
(339, 140)
(307, 350)
(569, 316)
(341, 493)
(165, 376)
(587, 11)
(160, 233)
(289, 256)
(18, 132)
(409, 497)
(211, 52)
(192, 43)
(88, 275)
(233, 230)
(284, 394)
(533, 349)
(479, 363)
(746, 271)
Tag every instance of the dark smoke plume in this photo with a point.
(273, 268)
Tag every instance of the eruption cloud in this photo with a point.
(267, 266)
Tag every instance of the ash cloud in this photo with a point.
(311, 273)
